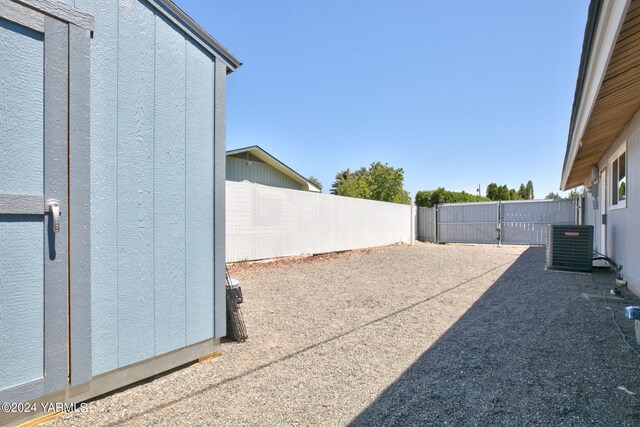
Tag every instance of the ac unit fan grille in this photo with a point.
(570, 247)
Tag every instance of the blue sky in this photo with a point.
(456, 93)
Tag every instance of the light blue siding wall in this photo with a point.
(21, 109)
(623, 225)
(104, 181)
(169, 188)
(21, 236)
(200, 192)
(152, 213)
(22, 295)
(261, 173)
(135, 204)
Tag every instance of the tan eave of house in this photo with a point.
(617, 100)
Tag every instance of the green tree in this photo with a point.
(492, 191)
(529, 188)
(386, 183)
(355, 185)
(576, 192)
(340, 176)
(379, 182)
(423, 198)
(429, 198)
(439, 195)
(522, 191)
(501, 192)
(312, 179)
(552, 195)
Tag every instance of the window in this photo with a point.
(619, 179)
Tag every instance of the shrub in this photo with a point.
(429, 198)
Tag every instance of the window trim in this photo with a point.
(614, 186)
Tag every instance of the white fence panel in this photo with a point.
(427, 224)
(525, 221)
(268, 222)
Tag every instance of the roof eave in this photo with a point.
(589, 32)
(604, 22)
(168, 8)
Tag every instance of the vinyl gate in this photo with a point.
(468, 222)
(525, 222)
(511, 222)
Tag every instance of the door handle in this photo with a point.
(54, 210)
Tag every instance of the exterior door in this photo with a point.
(603, 211)
(34, 279)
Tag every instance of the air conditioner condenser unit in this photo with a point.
(570, 247)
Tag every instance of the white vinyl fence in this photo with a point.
(268, 222)
(426, 224)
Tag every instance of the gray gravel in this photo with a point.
(422, 335)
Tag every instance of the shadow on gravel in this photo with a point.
(538, 348)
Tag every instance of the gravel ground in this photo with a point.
(421, 335)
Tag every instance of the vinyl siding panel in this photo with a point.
(21, 123)
(22, 293)
(258, 172)
(136, 94)
(169, 204)
(200, 187)
(623, 225)
(104, 179)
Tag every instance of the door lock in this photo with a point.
(54, 210)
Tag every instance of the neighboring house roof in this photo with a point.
(608, 88)
(276, 164)
(176, 15)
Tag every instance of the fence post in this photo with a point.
(435, 224)
(498, 225)
(411, 223)
(579, 209)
